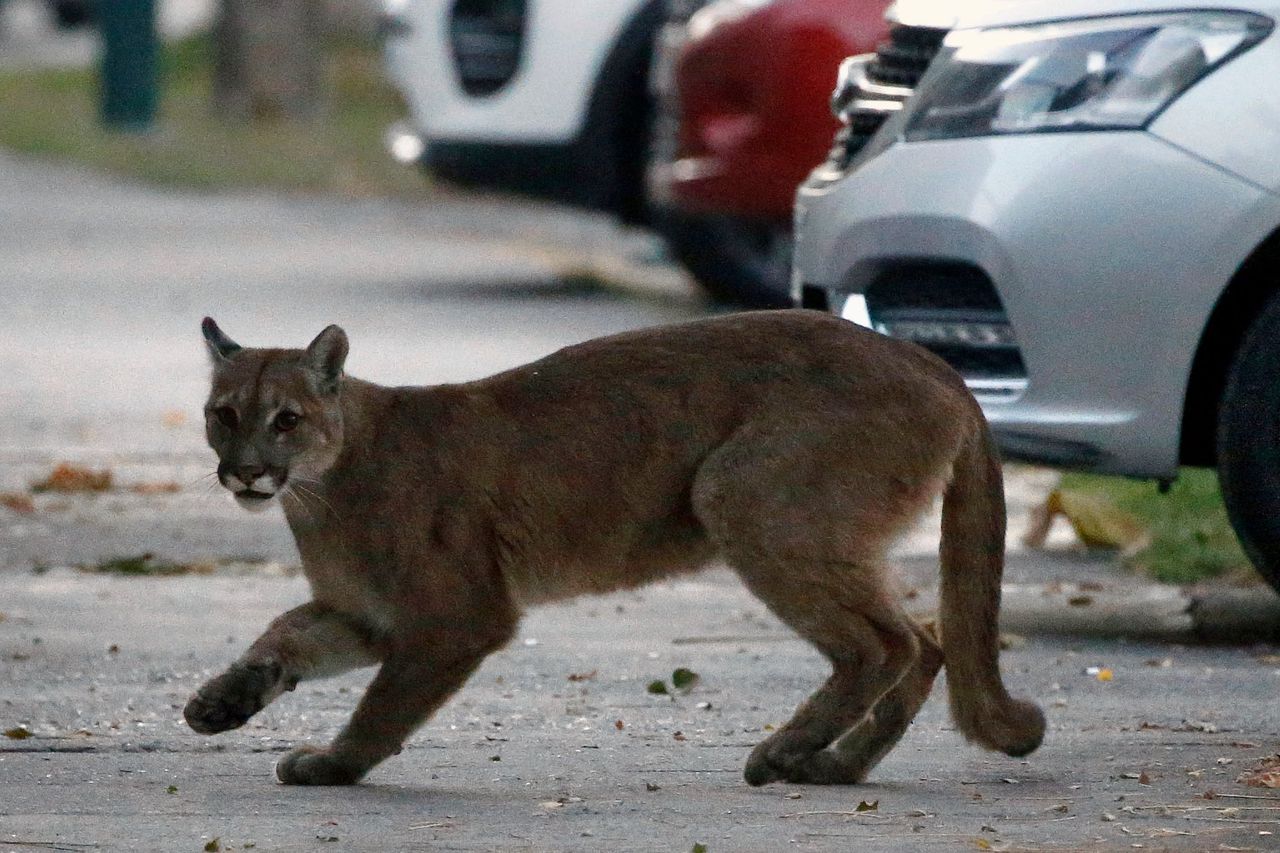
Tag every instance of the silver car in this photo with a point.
(1078, 206)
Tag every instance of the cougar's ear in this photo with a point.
(326, 355)
(220, 346)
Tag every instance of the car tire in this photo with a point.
(736, 261)
(1249, 443)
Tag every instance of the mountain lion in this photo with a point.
(793, 445)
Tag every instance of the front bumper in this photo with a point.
(1107, 252)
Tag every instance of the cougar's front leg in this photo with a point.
(310, 641)
(415, 679)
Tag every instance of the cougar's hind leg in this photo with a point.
(804, 512)
(870, 644)
(851, 758)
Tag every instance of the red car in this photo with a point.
(743, 88)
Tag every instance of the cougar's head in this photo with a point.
(273, 415)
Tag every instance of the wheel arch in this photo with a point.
(1257, 279)
(614, 138)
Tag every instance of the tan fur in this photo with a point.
(793, 445)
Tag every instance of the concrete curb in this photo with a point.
(1159, 613)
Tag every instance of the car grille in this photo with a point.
(486, 38)
(877, 87)
(953, 310)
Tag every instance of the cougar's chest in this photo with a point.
(340, 578)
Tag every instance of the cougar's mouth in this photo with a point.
(252, 499)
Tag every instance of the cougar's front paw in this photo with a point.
(308, 765)
(228, 701)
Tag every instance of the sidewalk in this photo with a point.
(530, 755)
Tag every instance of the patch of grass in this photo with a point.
(1191, 538)
(145, 565)
(54, 113)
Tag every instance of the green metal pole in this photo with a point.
(130, 53)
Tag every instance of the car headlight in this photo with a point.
(1096, 74)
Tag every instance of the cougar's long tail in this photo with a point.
(973, 529)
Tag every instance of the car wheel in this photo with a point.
(1249, 443)
(735, 260)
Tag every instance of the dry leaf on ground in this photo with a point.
(20, 504)
(1265, 775)
(1097, 522)
(73, 478)
(169, 488)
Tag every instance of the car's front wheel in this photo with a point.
(1249, 443)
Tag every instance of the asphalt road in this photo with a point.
(103, 286)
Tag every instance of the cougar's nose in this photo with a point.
(248, 473)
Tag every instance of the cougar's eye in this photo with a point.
(287, 420)
(226, 416)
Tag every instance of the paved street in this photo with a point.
(103, 286)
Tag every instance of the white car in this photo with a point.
(571, 101)
(1078, 206)
(546, 98)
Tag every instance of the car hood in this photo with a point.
(950, 14)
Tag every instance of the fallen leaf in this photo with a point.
(172, 789)
(1097, 522)
(658, 687)
(684, 679)
(20, 504)
(1143, 778)
(213, 846)
(1105, 675)
(155, 488)
(18, 733)
(582, 676)
(618, 724)
(72, 478)
(1266, 774)
(699, 848)
(864, 806)
(679, 736)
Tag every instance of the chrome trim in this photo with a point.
(856, 91)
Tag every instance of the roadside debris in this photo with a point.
(1097, 522)
(67, 478)
(1265, 775)
(21, 504)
